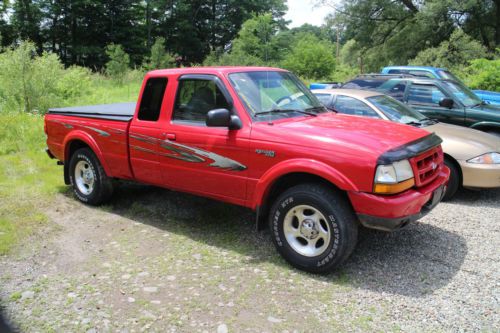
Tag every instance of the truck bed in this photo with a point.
(117, 111)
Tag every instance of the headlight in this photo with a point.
(489, 158)
(393, 178)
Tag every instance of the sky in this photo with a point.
(304, 11)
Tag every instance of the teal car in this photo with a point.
(445, 100)
(490, 97)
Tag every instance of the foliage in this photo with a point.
(311, 57)
(118, 63)
(79, 30)
(33, 83)
(484, 74)
(453, 53)
(393, 32)
(159, 57)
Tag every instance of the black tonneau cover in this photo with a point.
(117, 111)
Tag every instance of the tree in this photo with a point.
(483, 74)
(159, 58)
(311, 57)
(118, 63)
(455, 53)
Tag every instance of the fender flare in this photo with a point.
(88, 140)
(300, 165)
(486, 124)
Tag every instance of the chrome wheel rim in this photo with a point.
(307, 230)
(84, 177)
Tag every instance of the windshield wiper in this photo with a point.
(284, 111)
(413, 123)
(319, 109)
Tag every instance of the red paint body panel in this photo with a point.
(224, 164)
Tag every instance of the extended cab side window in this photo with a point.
(349, 105)
(195, 97)
(152, 98)
(425, 94)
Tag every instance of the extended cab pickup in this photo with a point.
(256, 137)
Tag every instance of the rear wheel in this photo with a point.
(90, 183)
(313, 227)
(454, 182)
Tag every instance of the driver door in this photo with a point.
(200, 159)
(425, 98)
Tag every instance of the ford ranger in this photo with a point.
(237, 135)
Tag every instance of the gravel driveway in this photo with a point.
(155, 260)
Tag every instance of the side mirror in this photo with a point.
(223, 118)
(446, 103)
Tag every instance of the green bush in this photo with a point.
(311, 57)
(159, 57)
(118, 64)
(31, 83)
(483, 74)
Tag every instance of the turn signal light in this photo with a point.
(394, 188)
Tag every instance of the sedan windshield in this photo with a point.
(462, 93)
(275, 94)
(395, 110)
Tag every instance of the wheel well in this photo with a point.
(455, 163)
(282, 184)
(72, 147)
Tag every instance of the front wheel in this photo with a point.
(453, 182)
(313, 227)
(90, 183)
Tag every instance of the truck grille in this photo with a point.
(426, 166)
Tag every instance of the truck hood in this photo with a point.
(339, 132)
(464, 143)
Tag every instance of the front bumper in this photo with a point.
(393, 212)
(480, 175)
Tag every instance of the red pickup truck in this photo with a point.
(256, 137)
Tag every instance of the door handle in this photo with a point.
(169, 136)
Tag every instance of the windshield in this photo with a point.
(462, 93)
(277, 94)
(395, 110)
(446, 75)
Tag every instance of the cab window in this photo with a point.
(350, 105)
(152, 99)
(195, 97)
(425, 94)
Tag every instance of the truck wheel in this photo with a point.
(454, 182)
(313, 227)
(90, 183)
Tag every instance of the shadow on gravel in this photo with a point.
(482, 198)
(412, 262)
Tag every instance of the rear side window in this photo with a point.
(152, 98)
(363, 84)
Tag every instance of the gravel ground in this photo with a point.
(155, 260)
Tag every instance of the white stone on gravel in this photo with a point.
(72, 295)
(131, 300)
(197, 256)
(142, 274)
(171, 278)
(222, 328)
(150, 289)
(126, 276)
(274, 320)
(27, 294)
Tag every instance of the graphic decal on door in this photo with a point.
(188, 153)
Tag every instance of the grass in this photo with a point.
(28, 178)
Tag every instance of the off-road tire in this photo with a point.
(340, 217)
(103, 185)
(454, 182)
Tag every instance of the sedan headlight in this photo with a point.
(393, 178)
(489, 158)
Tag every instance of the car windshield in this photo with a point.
(462, 93)
(446, 75)
(395, 110)
(275, 93)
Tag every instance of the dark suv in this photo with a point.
(445, 100)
